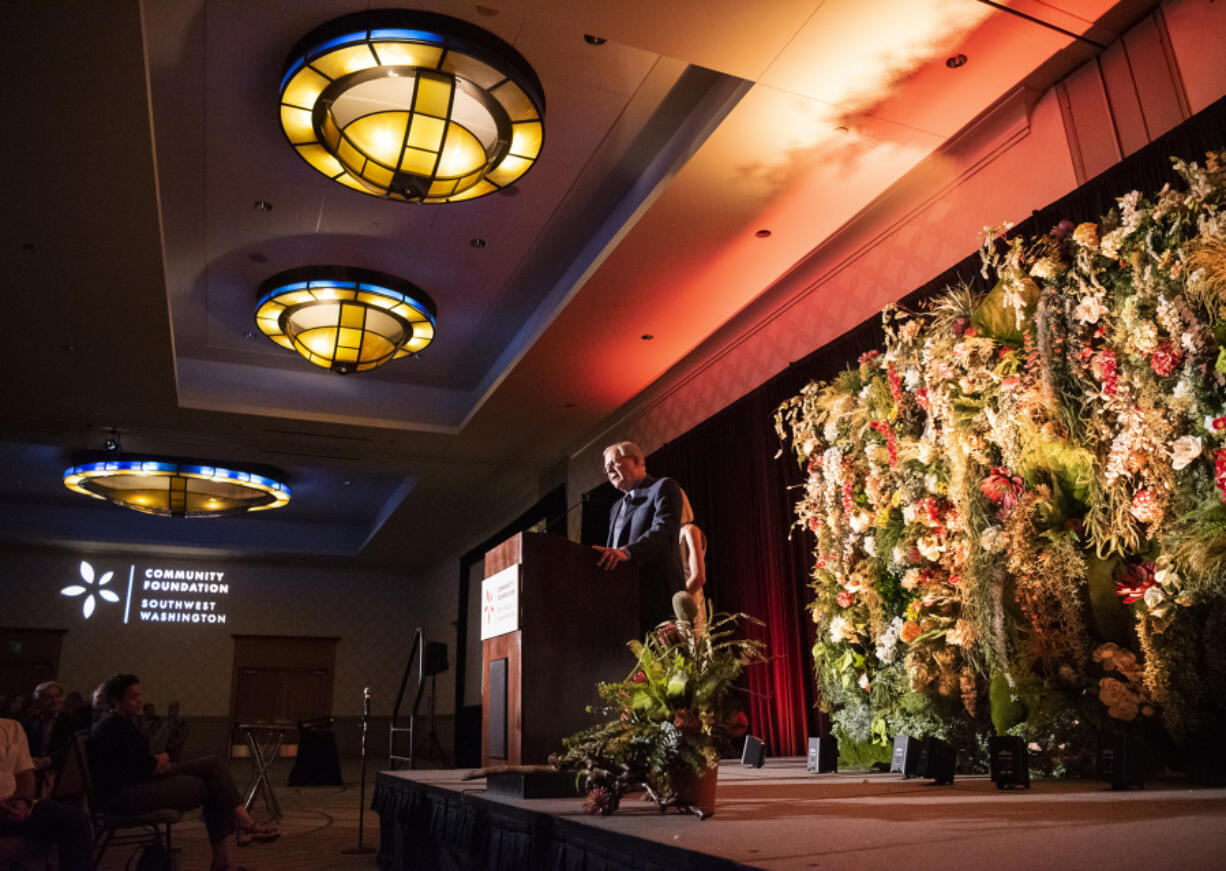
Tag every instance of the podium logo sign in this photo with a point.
(500, 603)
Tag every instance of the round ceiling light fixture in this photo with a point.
(176, 488)
(412, 106)
(345, 319)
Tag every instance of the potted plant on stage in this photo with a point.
(669, 717)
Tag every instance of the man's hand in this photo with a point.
(610, 557)
(15, 809)
(163, 763)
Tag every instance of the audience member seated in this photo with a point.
(98, 707)
(130, 779)
(171, 733)
(48, 822)
(49, 730)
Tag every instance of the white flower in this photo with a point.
(870, 545)
(1166, 577)
(911, 378)
(925, 451)
(864, 682)
(860, 521)
(1045, 268)
(931, 548)
(1144, 338)
(1185, 450)
(910, 513)
(841, 629)
(808, 447)
(831, 430)
(993, 539)
(1153, 597)
(1090, 309)
(911, 579)
(932, 483)
(1110, 244)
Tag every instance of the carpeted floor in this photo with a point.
(317, 824)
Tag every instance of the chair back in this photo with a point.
(73, 785)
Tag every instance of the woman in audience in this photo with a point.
(129, 779)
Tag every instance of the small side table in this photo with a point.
(264, 742)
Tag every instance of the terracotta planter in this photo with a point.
(696, 792)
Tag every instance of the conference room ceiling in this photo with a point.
(146, 134)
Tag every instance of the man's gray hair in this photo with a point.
(46, 686)
(624, 449)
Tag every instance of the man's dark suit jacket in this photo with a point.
(650, 535)
(61, 735)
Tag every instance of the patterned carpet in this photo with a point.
(317, 823)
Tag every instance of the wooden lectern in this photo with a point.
(574, 620)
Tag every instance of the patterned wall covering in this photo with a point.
(1019, 157)
(373, 615)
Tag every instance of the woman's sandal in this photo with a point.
(259, 834)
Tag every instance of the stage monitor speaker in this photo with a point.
(823, 755)
(1121, 759)
(906, 759)
(937, 760)
(435, 658)
(1010, 761)
(754, 753)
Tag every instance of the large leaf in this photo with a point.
(1112, 617)
(995, 317)
(1071, 466)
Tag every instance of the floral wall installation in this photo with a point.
(1018, 503)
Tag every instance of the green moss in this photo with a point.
(1007, 710)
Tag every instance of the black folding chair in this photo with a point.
(75, 786)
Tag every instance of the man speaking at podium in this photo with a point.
(644, 526)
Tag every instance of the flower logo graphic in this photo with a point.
(87, 575)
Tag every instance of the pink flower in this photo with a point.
(846, 599)
(1164, 359)
(738, 724)
(1145, 507)
(1002, 488)
(1132, 586)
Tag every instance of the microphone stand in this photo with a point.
(360, 849)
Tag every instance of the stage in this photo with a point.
(781, 817)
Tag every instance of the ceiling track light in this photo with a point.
(175, 488)
(345, 319)
(412, 106)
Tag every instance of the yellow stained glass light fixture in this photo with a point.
(345, 319)
(176, 488)
(412, 106)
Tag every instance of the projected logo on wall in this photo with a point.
(156, 594)
(87, 575)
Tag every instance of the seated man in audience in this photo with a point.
(56, 825)
(49, 730)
